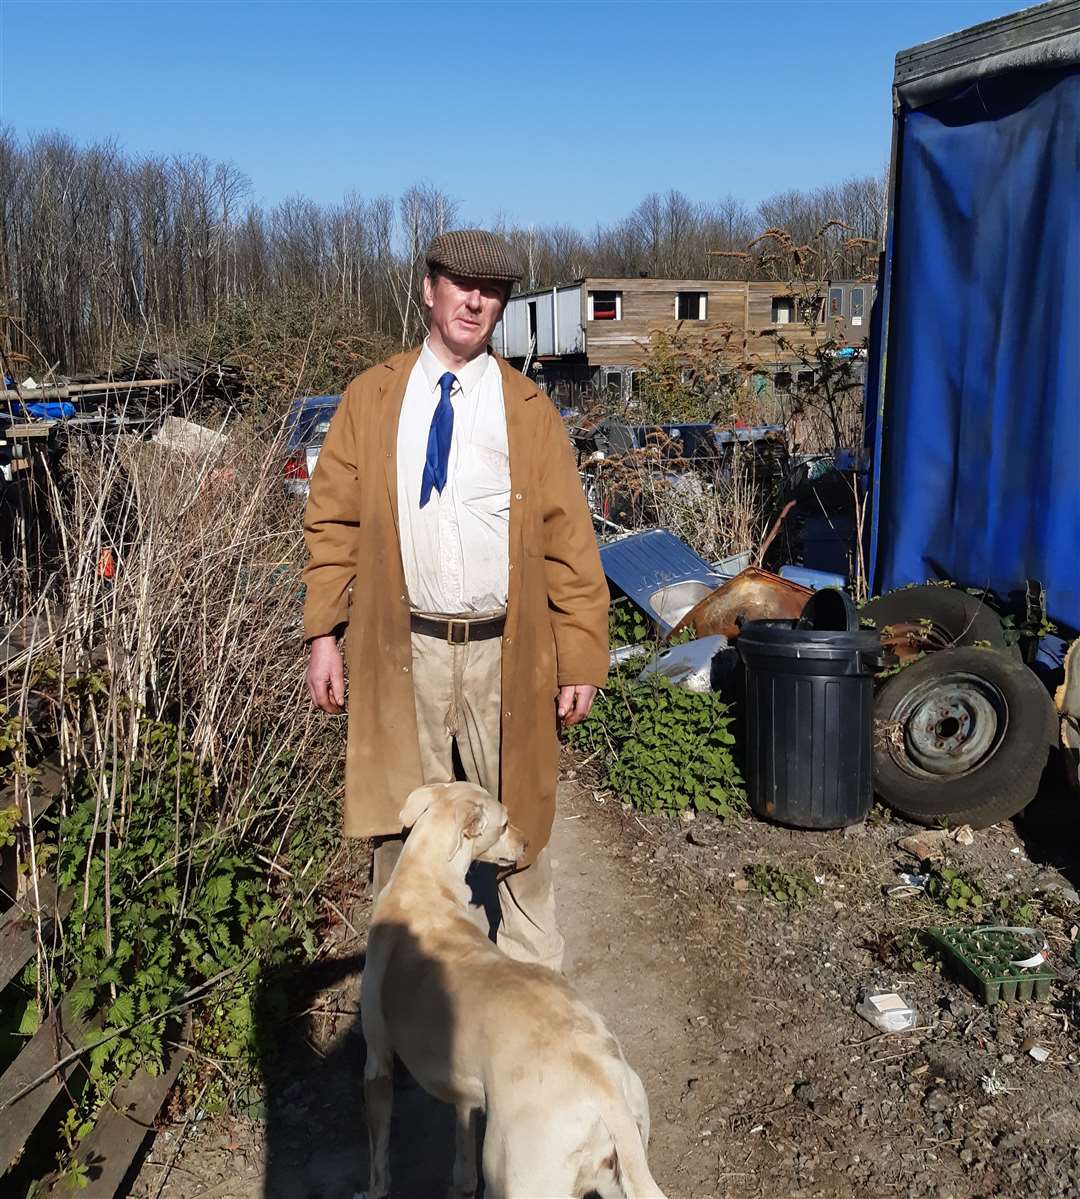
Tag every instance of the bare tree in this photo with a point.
(99, 247)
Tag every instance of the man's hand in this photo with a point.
(326, 675)
(575, 700)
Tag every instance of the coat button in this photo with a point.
(507, 641)
(406, 669)
(518, 496)
(508, 715)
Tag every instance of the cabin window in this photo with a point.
(782, 382)
(836, 303)
(857, 305)
(605, 305)
(805, 380)
(783, 310)
(810, 311)
(690, 305)
(532, 321)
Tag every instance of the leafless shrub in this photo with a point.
(174, 588)
(718, 511)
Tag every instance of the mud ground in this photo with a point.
(738, 1012)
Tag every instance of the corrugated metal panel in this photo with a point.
(545, 332)
(516, 319)
(641, 563)
(571, 333)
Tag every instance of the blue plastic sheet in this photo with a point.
(977, 469)
(47, 409)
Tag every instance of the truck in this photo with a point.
(973, 417)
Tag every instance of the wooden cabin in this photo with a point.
(595, 333)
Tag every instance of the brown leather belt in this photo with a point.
(459, 632)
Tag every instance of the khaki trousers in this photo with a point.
(458, 702)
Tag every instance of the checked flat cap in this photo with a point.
(474, 254)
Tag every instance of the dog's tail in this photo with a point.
(631, 1165)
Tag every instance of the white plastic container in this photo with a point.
(887, 1012)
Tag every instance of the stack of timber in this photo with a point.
(196, 378)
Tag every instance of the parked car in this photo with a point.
(308, 420)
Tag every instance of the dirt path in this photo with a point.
(311, 1142)
(621, 956)
(737, 1012)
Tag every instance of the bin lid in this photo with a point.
(830, 610)
(785, 639)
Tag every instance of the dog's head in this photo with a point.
(471, 818)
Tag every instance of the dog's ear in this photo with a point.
(472, 826)
(475, 822)
(416, 805)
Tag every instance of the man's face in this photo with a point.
(463, 312)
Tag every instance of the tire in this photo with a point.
(962, 736)
(922, 620)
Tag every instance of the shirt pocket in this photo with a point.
(484, 480)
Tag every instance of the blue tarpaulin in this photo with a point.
(977, 461)
(47, 409)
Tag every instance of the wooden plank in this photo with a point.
(62, 1032)
(31, 395)
(20, 432)
(31, 634)
(40, 790)
(121, 1128)
(18, 927)
(44, 786)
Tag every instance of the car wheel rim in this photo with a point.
(947, 726)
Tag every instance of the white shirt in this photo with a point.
(455, 550)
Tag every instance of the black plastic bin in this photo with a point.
(809, 721)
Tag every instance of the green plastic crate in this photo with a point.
(983, 962)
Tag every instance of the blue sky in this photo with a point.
(544, 112)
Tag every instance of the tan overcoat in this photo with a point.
(556, 625)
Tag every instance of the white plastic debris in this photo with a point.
(910, 884)
(992, 1085)
(188, 436)
(1039, 1053)
(887, 1012)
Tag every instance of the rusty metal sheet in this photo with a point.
(752, 595)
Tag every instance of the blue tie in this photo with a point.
(438, 442)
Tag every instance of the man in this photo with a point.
(450, 540)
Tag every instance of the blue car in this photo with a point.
(306, 426)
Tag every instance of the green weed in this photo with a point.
(663, 748)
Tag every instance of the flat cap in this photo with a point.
(474, 254)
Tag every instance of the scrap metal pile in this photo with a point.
(959, 728)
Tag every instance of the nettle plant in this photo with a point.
(175, 907)
(663, 748)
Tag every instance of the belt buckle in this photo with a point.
(451, 626)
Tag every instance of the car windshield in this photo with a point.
(316, 433)
(310, 427)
